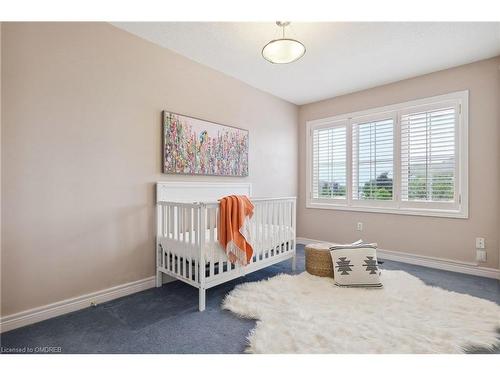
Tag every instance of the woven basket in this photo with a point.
(318, 259)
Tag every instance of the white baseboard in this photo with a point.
(307, 241)
(431, 262)
(439, 263)
(52, 310)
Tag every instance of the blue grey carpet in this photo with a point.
(166, 320)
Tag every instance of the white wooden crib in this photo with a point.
(186, 240)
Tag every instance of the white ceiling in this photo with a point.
(340, 58)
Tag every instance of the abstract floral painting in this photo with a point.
(194, 146)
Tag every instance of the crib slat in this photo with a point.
(278, 245)
(268, 230)
(264, 229)
(274, 227)
(211, 225)
(282, 225)
(285, 225)
(159, 220)
(292, 222)
(258, 229)
(222, 256)
(167, 223)
(288, 223)
(261, 228)
(278, 226)
(187, 236)
(213, 231)
(255, 228)
(254, 237)
(167, 220)
(182, 237)
(185, 221)
(283, 229)
(180, 211)
(197, 244)
(163, 221)
(190, 235)
(210, 231)
(172, 221)
(251, 259)
(218, 255)
(177, 224)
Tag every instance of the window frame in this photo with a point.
(366, 119)
(328, 125)
(457, 209)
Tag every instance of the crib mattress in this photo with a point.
(265, 237)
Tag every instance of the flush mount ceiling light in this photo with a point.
(283, 50)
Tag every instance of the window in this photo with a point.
(408, 158)
(329, 162)
(373, 159)
(428, 155)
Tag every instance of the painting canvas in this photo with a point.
(194, 146)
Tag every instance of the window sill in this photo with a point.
(456, 214)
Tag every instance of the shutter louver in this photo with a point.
(373, 160)
(428, 156)
(329, 163)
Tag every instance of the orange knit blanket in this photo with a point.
(235, 211)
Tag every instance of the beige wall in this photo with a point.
(436, 237)
(81, 150)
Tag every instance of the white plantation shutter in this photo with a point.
(329, 162)
(428, 155)
(373, 159)
(408, 158)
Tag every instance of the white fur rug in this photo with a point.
(309, 314)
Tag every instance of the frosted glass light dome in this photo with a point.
(284, 50)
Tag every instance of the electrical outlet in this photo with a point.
(359, 227)
(480, 243)
(481, 255)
